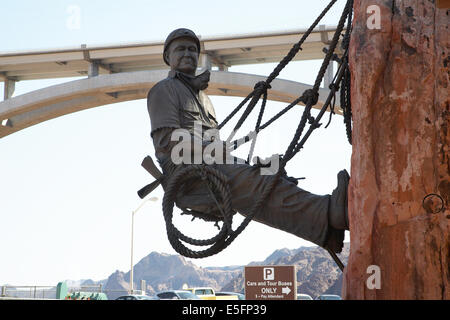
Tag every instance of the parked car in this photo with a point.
(328, 297)
(204, 293)
(302, 296)
(177, 295)
(136, 297)
(229, 296)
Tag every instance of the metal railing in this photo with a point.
(49, 292)
(29, 292)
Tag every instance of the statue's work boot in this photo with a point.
(338, 207)
(338, 214)
(335, 240)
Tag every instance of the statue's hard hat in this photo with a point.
(180, 33)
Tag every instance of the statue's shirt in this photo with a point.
(174, 103)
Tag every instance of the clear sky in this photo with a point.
(68, 186)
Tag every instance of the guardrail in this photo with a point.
(29, 292)
(8, 292)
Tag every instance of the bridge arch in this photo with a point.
(34, 107)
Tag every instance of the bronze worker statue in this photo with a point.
(179, 103)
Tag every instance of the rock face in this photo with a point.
(162, 271)
(401, 135)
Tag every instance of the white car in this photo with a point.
(177, 295)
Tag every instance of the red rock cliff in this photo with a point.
(401, 134)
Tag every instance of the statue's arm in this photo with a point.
(163, 107)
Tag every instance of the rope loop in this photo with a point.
(216, 181)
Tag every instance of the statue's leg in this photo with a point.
(288, 208)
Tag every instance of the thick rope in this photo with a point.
(258, 91)
(257, 126)
(213, 178)
(345, 86)
(295, 146)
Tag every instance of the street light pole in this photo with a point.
(132, 238)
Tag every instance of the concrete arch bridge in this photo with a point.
(117, 73)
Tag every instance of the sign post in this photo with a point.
(270, 283)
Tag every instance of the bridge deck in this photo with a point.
(220, 51)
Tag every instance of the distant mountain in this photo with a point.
(162, 271)
(317, 273)
(277, 254)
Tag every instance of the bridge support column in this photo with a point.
(10, 86)
(205, 61)
(329, 75)
(328, 79)
(93, 69)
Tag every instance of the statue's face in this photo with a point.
(182, 55)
